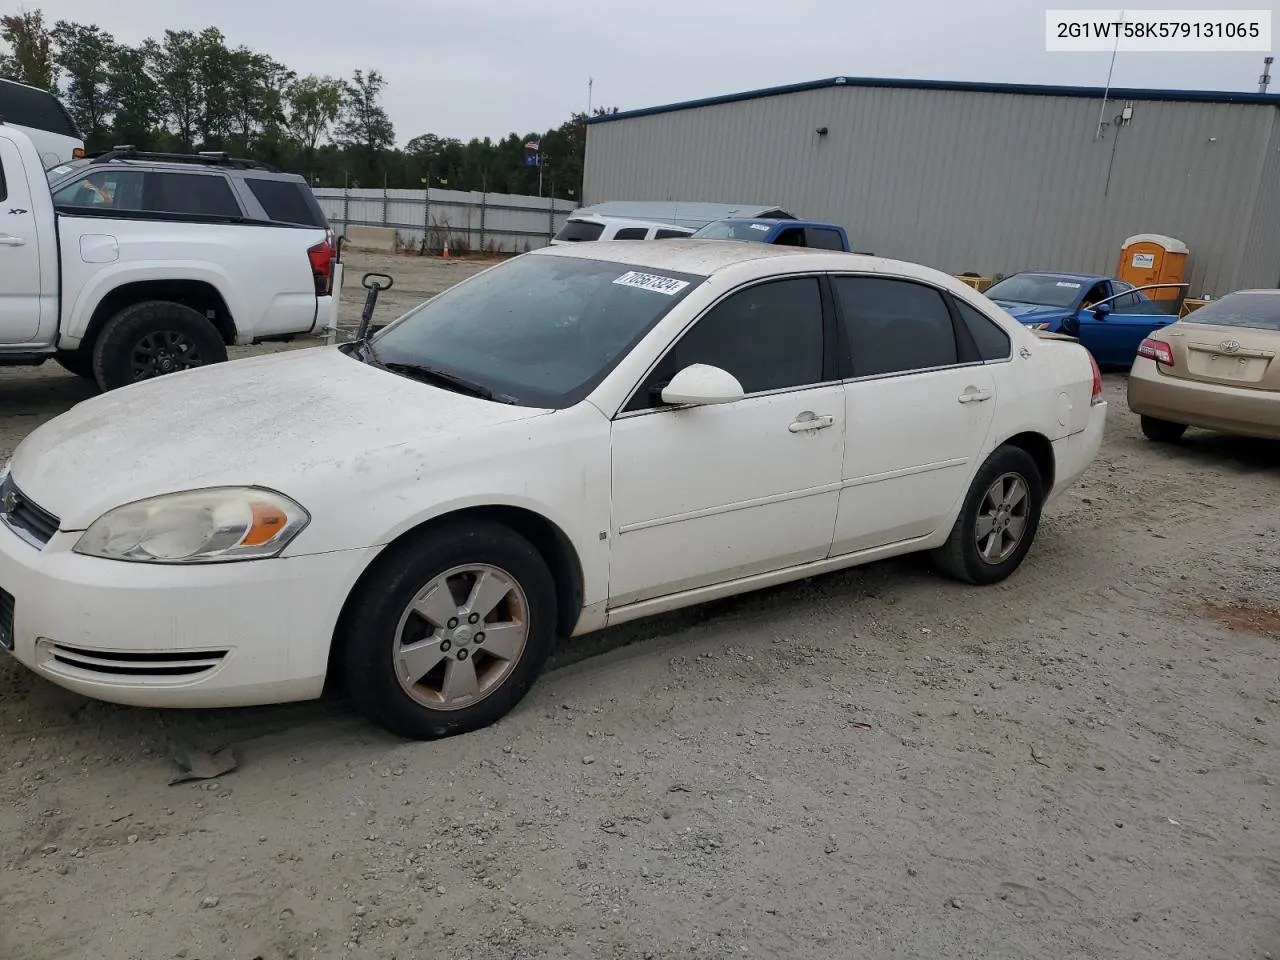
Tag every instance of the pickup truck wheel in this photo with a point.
(79, 362)
(448, 631)
(152, 338)
(998, 521)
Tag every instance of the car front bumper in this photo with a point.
(1235, 410)
(207, 635)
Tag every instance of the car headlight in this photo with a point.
(216, 525)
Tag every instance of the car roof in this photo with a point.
(698, 257)
(1257, 292)
(623, 221)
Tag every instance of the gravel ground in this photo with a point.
(1080, 762)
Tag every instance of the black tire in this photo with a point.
(79, 362)
(1162, 431)
(960, 556)
(368, 635)
(153, 338)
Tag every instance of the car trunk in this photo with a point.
(1233, 356)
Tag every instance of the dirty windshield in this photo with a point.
(734, 230)
(1046, 290)
(1258, 310)
(540, 330)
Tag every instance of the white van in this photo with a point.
(593, 227)
(43, 118)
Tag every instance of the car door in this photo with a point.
(707, 494)
(21, 279)
(1113, 335)
(919, 405)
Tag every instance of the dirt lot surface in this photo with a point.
(1081, 762)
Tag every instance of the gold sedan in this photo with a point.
(1218, 369)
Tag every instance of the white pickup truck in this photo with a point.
(130, 265)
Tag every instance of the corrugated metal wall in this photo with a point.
(1259, 254)
(970, 181)
(494, 222)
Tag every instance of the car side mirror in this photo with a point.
(701, 383)
(1101, 311)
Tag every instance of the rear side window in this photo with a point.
(29, 107)
(285, 201)
(894, 326)
(631, 233)
(823, 239)
(116, 189)
(790, 237)
(576, 231)
(192, 194)
(992, 342)
(668, 234)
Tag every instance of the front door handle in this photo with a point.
(7, 241)
(811, 421)
(974, 395)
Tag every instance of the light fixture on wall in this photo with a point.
(822, 131)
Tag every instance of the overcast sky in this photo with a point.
(465, 69)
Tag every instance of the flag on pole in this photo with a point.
(533, 145)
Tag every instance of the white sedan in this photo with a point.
(575, 438)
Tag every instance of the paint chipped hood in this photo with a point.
(287, 421)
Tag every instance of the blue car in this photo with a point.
(1109, 317)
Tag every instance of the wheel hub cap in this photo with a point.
(461, 637)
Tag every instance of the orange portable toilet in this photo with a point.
(1149, 258)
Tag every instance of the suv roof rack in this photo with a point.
(212, 158)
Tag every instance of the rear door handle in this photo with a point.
(974, 395)
(7, 241)
(811, 421)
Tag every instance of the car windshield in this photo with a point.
(539, 330)
(733, 230)
(1258, 310)
(1044, 289)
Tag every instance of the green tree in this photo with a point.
(313, 105)
(84, 54)
(30, 57)
(255, 95)
(135, 95)
(363, 124)
(176, 62)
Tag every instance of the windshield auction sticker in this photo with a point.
(650, 281)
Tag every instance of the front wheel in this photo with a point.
(448, 631)
(151, 339)
(1162, 431)
(998, 521)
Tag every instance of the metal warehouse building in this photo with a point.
(975, 176)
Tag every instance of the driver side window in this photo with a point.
(769, 336)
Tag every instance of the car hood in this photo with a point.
(1032, 313)
(273, 421)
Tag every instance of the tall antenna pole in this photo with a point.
(1264, 81)
(591, 82)
(1102, 111)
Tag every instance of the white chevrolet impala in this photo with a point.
(575, 438)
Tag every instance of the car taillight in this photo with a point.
(1097, 382)
(321, 258)
(1156, 350)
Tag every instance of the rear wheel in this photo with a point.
(153, 338)
(449, 631)
(1162, 431)
(998, 522)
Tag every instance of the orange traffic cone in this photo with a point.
(446, 250)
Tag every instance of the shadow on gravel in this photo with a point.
(1206, 449)
(23, 394)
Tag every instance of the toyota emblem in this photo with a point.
(1230, 346)
(9, 502)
